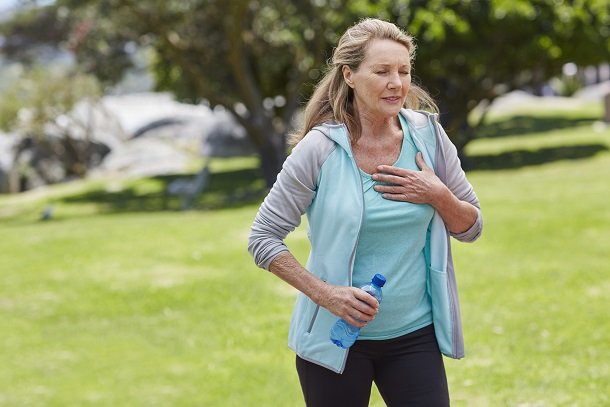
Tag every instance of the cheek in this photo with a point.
(373, 86)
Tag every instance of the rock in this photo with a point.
(143, 157)
(143, 134)
(7, 144)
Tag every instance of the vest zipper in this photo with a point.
(313, 319)
(353, 256)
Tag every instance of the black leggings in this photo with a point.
(408, 371)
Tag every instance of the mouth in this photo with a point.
(392, 99)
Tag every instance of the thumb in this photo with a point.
(419, 159)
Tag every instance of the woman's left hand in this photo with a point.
(422, 187)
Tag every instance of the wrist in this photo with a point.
(321, 293)
(440, 197)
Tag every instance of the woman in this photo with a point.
(366, 169)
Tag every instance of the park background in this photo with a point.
(139, 138)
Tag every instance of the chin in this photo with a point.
(389, 113)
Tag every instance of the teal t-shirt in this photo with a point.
(392, 241)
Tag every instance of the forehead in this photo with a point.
(386, 52)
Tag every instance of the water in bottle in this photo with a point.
(343, 334)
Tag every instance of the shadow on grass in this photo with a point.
(238, 188)
(523, 158)
(229, 189)
(245, 186)
(522, 125)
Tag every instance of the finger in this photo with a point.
(389, 186)
(421, 163)
(355, 322)
(367, 302)
(358, 318)
(392, 179)
(390, 169)
(396, 197)
(366, 312)
(388, 189)
(362, 316)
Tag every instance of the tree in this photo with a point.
(472, 51)
(250, 57)
(253, 58)
(56, 141)
(261, 59)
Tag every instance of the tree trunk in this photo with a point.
(269, 142)
(454, 119)
(272, 154)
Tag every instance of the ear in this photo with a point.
(347, 75)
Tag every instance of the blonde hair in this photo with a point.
(332, 99)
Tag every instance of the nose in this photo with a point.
(394, 81)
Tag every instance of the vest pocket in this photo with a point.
(316, 310)
(313, 319)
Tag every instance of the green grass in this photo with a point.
(123, 300)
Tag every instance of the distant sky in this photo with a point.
(8, 6)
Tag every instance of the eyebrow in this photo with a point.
(389, 65)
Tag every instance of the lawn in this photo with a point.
(122, 300)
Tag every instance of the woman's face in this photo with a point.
(382, 80)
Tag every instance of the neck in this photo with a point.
(378, 127)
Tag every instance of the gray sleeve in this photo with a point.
(295, 187)
(456, 181)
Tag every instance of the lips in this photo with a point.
(392, 99)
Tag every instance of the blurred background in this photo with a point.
(137, 139)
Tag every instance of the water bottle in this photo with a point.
(344, 334)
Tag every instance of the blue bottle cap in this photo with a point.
(378, 280)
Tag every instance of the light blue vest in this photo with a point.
(335, 218)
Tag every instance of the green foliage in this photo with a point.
(9, 109)
(41, 97)
(100, 48)
(261, 59)
(473, 51)
(40, 109)
(566, 85)
(26, 34)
